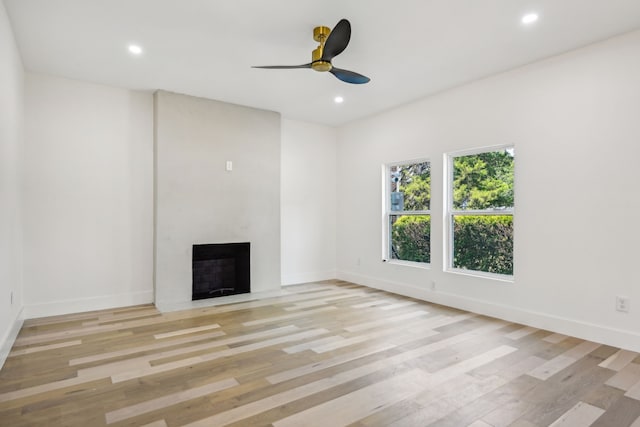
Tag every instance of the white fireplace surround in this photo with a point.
(197, 200)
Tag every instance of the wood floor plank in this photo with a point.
(345, 296)
(555, 338)
(284, 398)
(521, 333)
(581, 415)
(500, 382)
(507, 414)
(470, 364)
(447, 398)
(254, 408)
(167, 400)
(385, 321)
(626, 378)
(454, 402)
(119, 366)
(412, 354)
(359, 404)
(65, 318)
(111, 317)
(327, 363)
(123, 370)
(142, 349)
(523, 423)
(563, 360)
(37, 349)
(621, 412)
(451, 388)
(44, 388)
(306, 304)
(557, 395)
(397, 305)
(582, 350)
(376, 302)
(140, 371)
(345, 342)
(66, 334)
(185, 331)
(489, 394)
(311, 344)
(371, 336)
(634, 391)
(332, 353)
(288, 316)
(159, 423)
(619, 360)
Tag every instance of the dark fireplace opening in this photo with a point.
(220, 269)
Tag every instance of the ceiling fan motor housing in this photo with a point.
(320, 35)
(317, 63)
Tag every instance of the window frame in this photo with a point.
(387, 213)
(450, 213)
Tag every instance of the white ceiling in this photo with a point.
(409, 48)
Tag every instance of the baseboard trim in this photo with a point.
(298, 278)
(32, 311)
(626, 339)
(7, 341)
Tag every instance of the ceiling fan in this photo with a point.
(332, 43)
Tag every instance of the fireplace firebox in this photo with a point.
(220, 269)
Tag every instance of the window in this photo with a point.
(407, 214)
(480, 211)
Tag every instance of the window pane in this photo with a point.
(483, 181)
(410, 187)
(410, 237)
(483, 243)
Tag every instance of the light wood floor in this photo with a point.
(327, 355)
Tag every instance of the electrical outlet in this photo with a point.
(622, 304)
(433, 285)
(11, 297)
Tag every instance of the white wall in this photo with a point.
(11, 146)
(574, 120)
(308, 207)
(88, 201)
(198, 201)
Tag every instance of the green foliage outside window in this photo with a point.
(483, 181)
(414, 181)
(411, 238)
(483, 243)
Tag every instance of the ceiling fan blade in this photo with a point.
(349, 76)
(282, 67)
(337, 41)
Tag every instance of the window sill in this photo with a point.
(420, 265)
(481, 275)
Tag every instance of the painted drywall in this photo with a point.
(11, 146)
(88, 199)
(573, 120)
(308, 206)
(198, 201)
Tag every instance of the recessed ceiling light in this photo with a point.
(135, 49)
(338, 100)
(529, 18)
